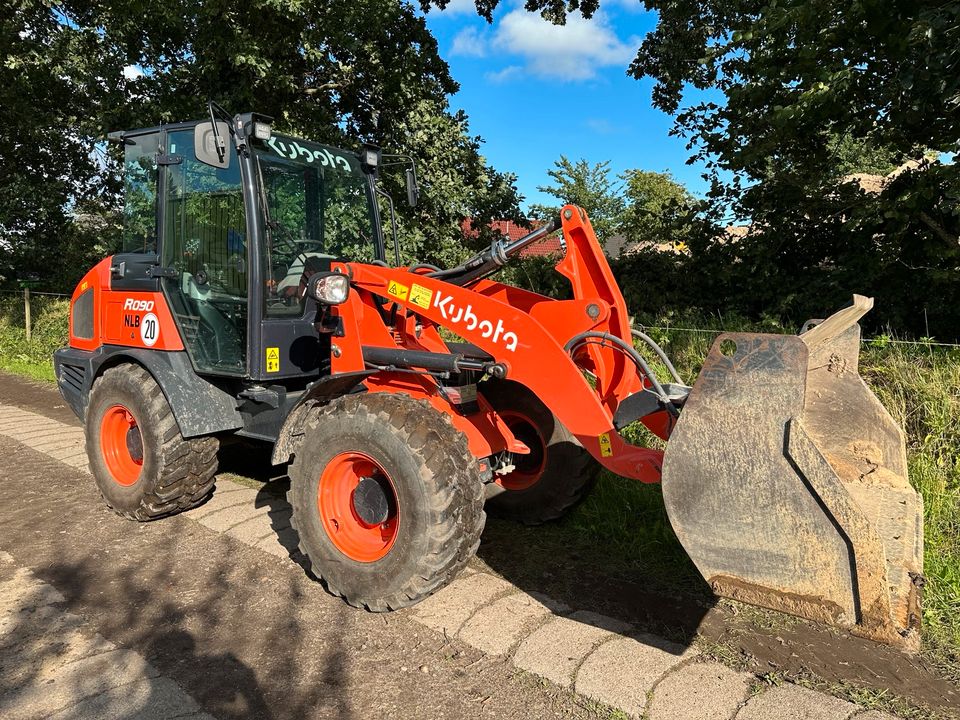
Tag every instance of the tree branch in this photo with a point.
(939, 230)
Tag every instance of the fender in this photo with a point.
(199, 406)
(323, 390)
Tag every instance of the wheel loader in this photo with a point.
(254, 298)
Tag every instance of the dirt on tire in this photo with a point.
(439, 497)
(177, 473)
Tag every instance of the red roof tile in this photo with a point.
(544, 248)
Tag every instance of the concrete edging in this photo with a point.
(581, 651)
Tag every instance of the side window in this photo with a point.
(205, 242)
(140, 194)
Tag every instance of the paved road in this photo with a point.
(208, 613)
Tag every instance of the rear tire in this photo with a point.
(145, 469)
(422, 499)
(556, 475)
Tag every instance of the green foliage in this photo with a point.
(49, 330)
(329, 71)
(660, 210)
(590, 187)
(47, 73)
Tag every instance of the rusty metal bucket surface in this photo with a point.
(785, 480)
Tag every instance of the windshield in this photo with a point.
(316, 209)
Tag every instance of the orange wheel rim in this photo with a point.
(528, 468)
(121, 445)
(364, 539)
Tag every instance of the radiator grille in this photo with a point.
(73, 375)
(83, 316)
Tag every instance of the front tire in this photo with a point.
(556, 475)
(144, 468)
(387, 499)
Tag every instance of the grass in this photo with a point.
(33, 359)
(919, 385)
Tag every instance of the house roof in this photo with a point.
(550, 245)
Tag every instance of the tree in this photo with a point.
(813, 91)
(588, 186)
(50, 169)
(658, 209)
(330, 70)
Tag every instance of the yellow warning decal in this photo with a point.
(606, 450)
(421, 296)
(83, 285)
(397, 290)
(273, 359)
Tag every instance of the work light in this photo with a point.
(369, 157)
(261, 130)
(329, 288)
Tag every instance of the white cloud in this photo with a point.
(132, 72)
(503, 75)
(574, 51)
(470, 42)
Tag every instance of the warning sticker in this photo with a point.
(606, 450)
(421, 296)
(397, 290)
(273, 359)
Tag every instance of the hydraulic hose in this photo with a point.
(495, 257)
(631, 352)
(659, 351)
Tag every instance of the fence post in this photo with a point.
(26, 309)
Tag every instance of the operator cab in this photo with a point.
(231, 225)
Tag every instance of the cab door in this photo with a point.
(204, 255)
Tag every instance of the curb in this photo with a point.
(597, 657)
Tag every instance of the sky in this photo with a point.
(535, 91)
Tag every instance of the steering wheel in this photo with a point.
(289, 237)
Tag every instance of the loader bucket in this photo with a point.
(785, 480)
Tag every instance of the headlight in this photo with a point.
(329, 288)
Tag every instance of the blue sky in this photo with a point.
(534, 91)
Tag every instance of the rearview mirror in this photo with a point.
(413, 192)
(211, 147)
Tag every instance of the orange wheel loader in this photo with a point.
(253, 297)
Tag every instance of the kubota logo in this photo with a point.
(138, 305)
(293, 150)
(470, 321)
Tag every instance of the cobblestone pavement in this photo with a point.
(594, 656)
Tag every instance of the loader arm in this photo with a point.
(784, 478)
(524, 342)
(527, 334)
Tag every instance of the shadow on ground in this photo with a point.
(542, 560)
(152, 608)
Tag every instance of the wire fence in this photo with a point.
(34, 292)
(26, 293)
(879, 339)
